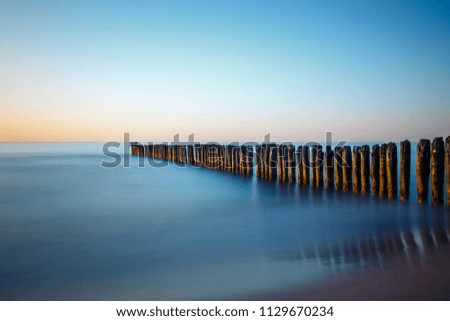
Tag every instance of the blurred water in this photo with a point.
(70, 229)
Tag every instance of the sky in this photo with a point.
(224, 70)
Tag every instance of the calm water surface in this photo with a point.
(71, 229)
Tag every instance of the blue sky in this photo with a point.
(224, 70)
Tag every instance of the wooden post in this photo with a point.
(226, 158)
(391, 170)
(250, 160)
(405, 169)
(319, 166)
(329, 168)
(298, 159)
(233, 159)
(243, 160)
(365, 169)
(281, 163)
(219, 157)
(346, 168)
(356, 168)
(191, 155)
(437, 171)
(291, 163)
(447, 169)
(212, 155)
(313, 162)
(273, 155)
(305, 165)
(284, 159)
(223, 151)
(258, 160)
(383, 175)
(182, 150)
(338, 168)
(375, 169)
(422, 170)
(203, 155)
(238, 159)
(266, 160)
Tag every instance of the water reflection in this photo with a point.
(378, 249)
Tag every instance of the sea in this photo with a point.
(72, 229)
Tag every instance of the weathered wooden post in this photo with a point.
(365, 169)
(191, 154)
(209, 152)
(238, 159)
(224, 157)
(405, 169)
(265, 161)
(447, 169)
(356, 168)
(422, 169)
(204, 155)
(313, 162)
(319, 166)
(218, 158)
(290, 163)
(305, 165)
(183, 154)
(250, 159)
(226, 161)
(346, 168)
(261, 161)
(233, 158)
(258, 160)
(198, 155)
(383, 175)
(280, 161)
(298, 159)
(375, 169)
(437, 171)
(243, 162)
(391, 170)
(338, 168)
(273, 155)
(216, 151)
(329, 168)
(212, 156)
(284, 160)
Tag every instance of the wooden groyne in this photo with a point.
(360, 169)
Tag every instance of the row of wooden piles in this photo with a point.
(358, 169)
(230, 158)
